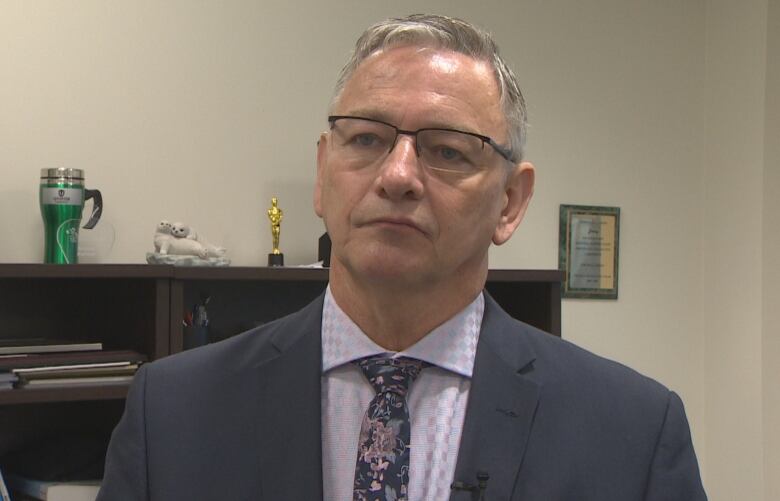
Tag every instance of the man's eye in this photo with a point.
(366, 140)
(450, 154)
(444, 158)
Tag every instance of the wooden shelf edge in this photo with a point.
(64, 394)
(250, 273)
(515, 275)
(33, 270)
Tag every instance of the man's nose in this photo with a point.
(400, 175)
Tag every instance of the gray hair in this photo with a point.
(453, 34)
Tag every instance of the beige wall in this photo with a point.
(740, 251)
(771, 259)
(201, 111)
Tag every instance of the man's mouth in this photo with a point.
(397, 223)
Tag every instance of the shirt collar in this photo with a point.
(451, 346)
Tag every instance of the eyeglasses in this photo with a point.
(364, 141)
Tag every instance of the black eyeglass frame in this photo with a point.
(505, 153)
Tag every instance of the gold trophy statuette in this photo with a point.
(275, 214)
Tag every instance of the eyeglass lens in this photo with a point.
(365, 142)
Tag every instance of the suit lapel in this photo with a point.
(501, 408)
(288, 409)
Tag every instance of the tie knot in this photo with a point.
(393, 375)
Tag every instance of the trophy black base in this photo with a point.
(275, 259)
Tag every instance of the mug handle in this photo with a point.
(97, 207)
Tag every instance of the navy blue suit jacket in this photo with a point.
(240, 420)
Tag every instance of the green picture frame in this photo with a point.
(588, 251)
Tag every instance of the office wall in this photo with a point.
(734, 168)
(201, 111)
(771, 259)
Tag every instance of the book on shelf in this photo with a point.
(126, 369)
(44, 345)
(54, 491)
(21, 361)
(7, 380)
(57, 370)
(104, 369)
(3, 489)
(59, 382)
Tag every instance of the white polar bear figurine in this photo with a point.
(183, 231)
(178, 245)
(166, 242)
(162, 234)
(184, 247)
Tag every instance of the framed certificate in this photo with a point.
(588, 251)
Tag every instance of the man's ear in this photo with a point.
(518, 191)
(322, 158)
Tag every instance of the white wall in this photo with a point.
(201, 111)
(771, 261)
(733, 218)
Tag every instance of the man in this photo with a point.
(406, 380)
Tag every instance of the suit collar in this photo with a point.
(451, 345)
(501, 408)
(288, 408)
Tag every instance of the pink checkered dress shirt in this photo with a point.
(437, 399)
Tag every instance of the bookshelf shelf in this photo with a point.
(140, 308)
(73, 393)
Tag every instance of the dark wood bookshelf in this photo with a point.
(140, 307)
(243, 298)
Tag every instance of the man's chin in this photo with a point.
(389, 267)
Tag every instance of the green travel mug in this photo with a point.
(62, 197)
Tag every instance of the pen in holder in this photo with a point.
(196, 332)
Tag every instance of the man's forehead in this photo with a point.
(390, 61)
(447, 83)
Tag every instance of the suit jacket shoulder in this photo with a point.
(225, 421)
(550, 420)
(561, 364)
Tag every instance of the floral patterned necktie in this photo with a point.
(382, 468)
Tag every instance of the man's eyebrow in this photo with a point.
(430, 123)
(370, 113)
